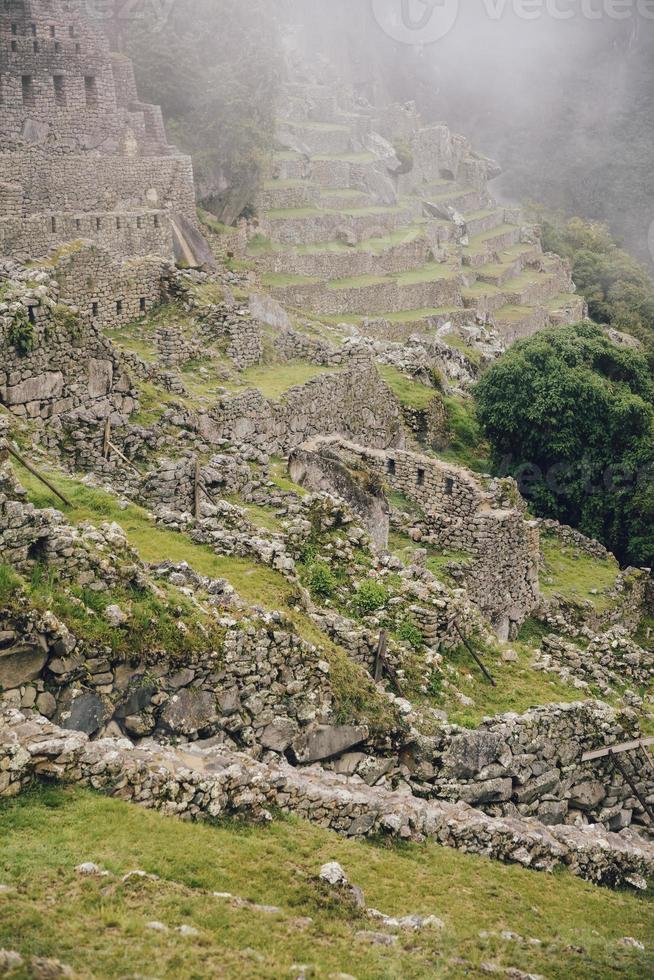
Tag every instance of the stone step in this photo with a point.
(566, 308)
(513, 322)
(490, 244)
(462, 199)
(485, 220)
(399, 327)
(310, 226)
(284, 194)
(326, 138)
(406, 249)
(511, 263)
(432, 286)
(344, 198)
(345, 171)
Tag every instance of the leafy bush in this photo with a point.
(571, 416)
(21, 333)
(619, 289)
(322, 583)
(409, 633)
(370, 597)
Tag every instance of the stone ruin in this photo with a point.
(85, 165)
(461, 513)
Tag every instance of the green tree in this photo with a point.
(571, 416)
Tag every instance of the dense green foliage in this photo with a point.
(571, 415)
(213, 67)
(618, 288)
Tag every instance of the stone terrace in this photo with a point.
(346, 233)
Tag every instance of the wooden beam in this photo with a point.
(640, 743)
(380, 656)
(477, 659)
(125, 460)
(106, 438)
(31, 469)
(196, 489)
(629, 778)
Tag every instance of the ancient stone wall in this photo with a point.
(198, 786)
(53, 360)
(353, 402)
(109, 293)
(463, 515)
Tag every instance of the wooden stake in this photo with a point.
(380, 656)
(196, 489)
(477, 659)
(106, 437)
(125, 460)
(39, 476)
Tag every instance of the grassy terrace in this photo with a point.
(411, 393)
(274, 380)
(576, 576)
(99, 926)
(375, 245)
(281, 214)
(431, 272)
(355, 696)
(478, 243)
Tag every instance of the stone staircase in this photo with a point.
(352, 232)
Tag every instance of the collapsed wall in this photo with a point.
(462, 514)
(52, 360)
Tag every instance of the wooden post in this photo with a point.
(124, 458)
(196, 489)
(380, 656)
(477, 659)
(106, 443)
(615, 759)
(39, 476)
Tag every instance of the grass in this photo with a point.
(151, 631)
(356, 698)
(519, 686)
(410, 393)
(473, 354)
(575, 576)
(98, 926)
(467, 446)
(432, 272)
(274, 380)
(280, 280)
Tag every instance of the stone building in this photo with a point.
(81, 158)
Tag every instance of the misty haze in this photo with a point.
(326, 489)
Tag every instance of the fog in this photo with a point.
(564, 103)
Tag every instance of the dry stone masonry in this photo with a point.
(221, 783)
(82, 160)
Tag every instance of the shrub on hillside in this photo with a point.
(370, 597)
(571, 416)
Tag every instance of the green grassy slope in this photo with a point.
(99, 925)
